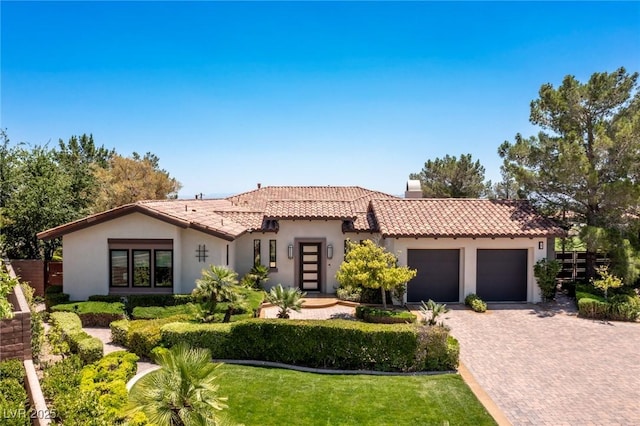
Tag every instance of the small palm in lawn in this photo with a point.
(431, 311)
(235, 300)
(216, 285)
(286, 299)
(182, 392)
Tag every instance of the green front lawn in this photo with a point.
(262, 396)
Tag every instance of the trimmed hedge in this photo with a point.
(141, 336)
(134, 300)
(155, 312)
(384, 316)
(108, 378)
(13, 398)
(619, 307)
(53, 295)
(93, 314)
(337, 344)
(88, 348)
(91, 395)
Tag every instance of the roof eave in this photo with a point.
(96, 219)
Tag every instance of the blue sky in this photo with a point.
(310, 93)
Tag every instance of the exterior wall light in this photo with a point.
(330, 251)
(540, 245)
(290, 251)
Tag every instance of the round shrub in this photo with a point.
(475, 303)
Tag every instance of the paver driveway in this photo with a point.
(548, 367)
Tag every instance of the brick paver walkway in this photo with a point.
(332, 312)
(548, 367)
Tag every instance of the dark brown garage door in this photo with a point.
(438, 275)
(502, 275)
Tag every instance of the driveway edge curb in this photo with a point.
(483, 397)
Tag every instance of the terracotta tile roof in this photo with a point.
(461, 218)
(361, 210)
(309, 209)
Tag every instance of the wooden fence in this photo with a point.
(574, 262)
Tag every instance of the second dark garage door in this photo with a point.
(438, 276)
(502, 275)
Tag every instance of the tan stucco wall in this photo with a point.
(468, 257)
(290, 231)
(86, 253)
(191, 267)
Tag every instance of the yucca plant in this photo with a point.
(286, 299)
(431, 311)
(182, 392)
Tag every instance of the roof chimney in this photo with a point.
(414, 189)
(259, 185)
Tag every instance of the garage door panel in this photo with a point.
(502, 275)
(438, 275)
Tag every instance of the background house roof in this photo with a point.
(461, 217)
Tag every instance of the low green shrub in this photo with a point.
(13, 396)
(619, 307)
(13, 403)
(93, 314)
(69, 328)
(350, 294)
(384, 316)
(134, 300)
(475, 303)
(92, 395)
(12, 369)
(108, 298)
(335, 344)
(214, 336)
(592, 308)
(108, 378)
(155, 312)
(144, 335)
(478, 305)
(119, 332)
(438, 350)
(53, 295)
(90, 349)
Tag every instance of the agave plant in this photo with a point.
(286, 299)
(182, 392)
(431, 311)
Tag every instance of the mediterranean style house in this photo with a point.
(458, 246)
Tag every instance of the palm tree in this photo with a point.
(216, 284)
(182, 392)
(286, 299)
(235, 301)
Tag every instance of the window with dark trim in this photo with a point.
(142, 268)
(119, 266)
(163, 268)
(140, 264)
(227, 254)
(256, 253)
(272, 254)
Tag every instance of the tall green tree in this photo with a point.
(39, 199)
(127, 180)
(586, 158)
(79, 159)
(450, 177)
